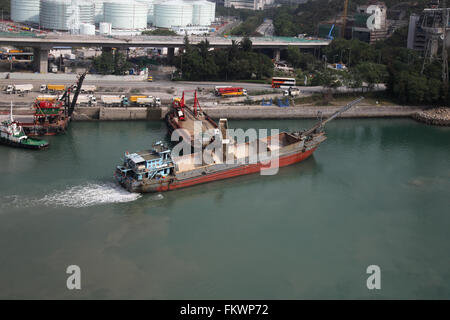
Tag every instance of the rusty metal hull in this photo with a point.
(289, 155)
(46, 129)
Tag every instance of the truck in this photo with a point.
(46, 88)
(86, 88)
(115, 101)
(47, 98)
(53, 68)
(230, 91)
(291, 92)
(135, 98)
(86, 100)
(69, 56)
(148, 102)
(19, 88)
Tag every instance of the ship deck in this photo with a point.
(237, 151)
(190, 119)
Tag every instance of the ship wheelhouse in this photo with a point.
(153, 164)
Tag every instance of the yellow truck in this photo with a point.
(52, 88)
(134, 99)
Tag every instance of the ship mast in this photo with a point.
(318, 126)
(11, 114)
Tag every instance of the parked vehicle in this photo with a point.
(292, 92)
(148, 102)
(86, 100)
(115, 101)
(47, 98)
(87, 88)
(46, 88)
(19, 88)
(135, 98)
(53, 68)
(231, 91)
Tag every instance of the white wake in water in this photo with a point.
(89, 195)
(86, 195)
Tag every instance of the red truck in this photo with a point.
(230, 91)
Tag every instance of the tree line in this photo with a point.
(407, 78)
(238, 62)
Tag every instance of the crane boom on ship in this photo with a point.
(318, 126)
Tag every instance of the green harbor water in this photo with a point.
(375, 193)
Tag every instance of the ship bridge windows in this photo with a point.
(154, 163)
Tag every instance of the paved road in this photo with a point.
(266, 28)
(182, 85)
(164, 89)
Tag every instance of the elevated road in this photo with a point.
(42, 44)
(50, 41)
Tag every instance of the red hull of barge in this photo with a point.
(247, 169)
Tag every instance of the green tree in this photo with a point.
(371, 73)
(246, 44)
(104, 64)
(159, 32)
(120, 63)
(235, 63)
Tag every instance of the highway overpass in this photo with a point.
(42, 44)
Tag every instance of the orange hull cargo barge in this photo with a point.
(183, 119)
(158, 170)
(52, 114)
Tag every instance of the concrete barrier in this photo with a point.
(86, 113)
(129, 113)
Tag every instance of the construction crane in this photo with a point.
(344, 19)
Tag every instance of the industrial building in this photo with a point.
(98, 9)
(426, 31)
(25, 10)
(369, 24)
(122, 15)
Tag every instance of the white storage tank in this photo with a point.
(212, 11)
(87, 29)
(58, 14)
(172, 13)
(126, 15)
(98, 9)
(105, 28)
(201, 13)
(150, 7)
(25, 10)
